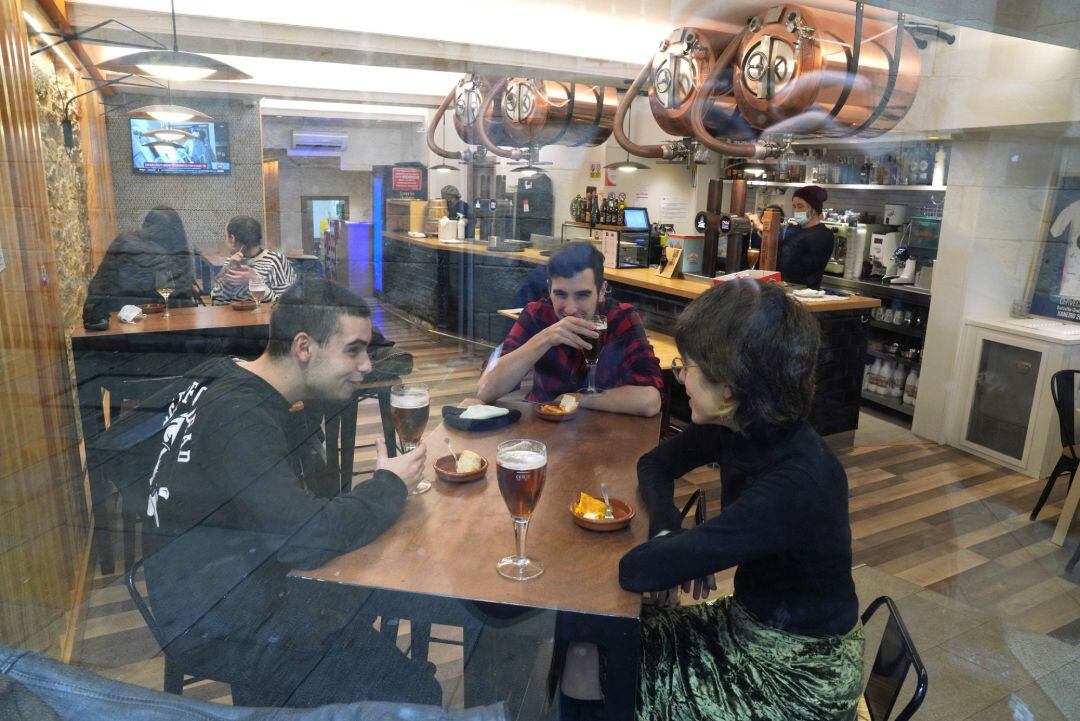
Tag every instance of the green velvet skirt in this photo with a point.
(716, 661)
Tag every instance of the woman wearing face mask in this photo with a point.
(788, 644)
(805, 248)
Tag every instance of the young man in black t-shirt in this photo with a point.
(229, 515)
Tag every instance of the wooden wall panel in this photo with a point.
(271, 205)
(100, 205)
(43, 518)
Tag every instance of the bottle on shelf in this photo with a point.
(875, 376)
(896, 383)
(885, 377)
(911, 387)
(836, 171)
(866, 171)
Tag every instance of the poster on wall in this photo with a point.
(407, 179)
(594, 171)
(611, 177)
(1057, 284)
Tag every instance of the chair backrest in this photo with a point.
(1062, 389)
(142, 605)
(896, 655)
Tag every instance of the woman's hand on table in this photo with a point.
(409, 467)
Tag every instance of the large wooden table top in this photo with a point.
(448, 540)
(644, 278)
(180, 319)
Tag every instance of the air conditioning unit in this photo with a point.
(306, 142)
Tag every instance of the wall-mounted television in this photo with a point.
(205, 154)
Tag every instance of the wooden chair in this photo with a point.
(1062, 386)
(896, 655)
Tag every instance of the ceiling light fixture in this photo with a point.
(169, 114)
(442, 167)
(169, 134)
(163, 144)
(628, 165)
(173, 64)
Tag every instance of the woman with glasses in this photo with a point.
(788, 643)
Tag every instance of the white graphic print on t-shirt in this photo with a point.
(177, 427)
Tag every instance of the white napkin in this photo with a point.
(130, 314)
(482, 413)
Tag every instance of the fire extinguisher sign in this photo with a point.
(407, 179)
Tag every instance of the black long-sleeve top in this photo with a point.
(228, 513)
(804, 253)
(783, 523)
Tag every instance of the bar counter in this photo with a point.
(461, 287)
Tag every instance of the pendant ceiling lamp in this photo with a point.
(173, 64)
(168, 134)
(442, 167)
(163, 144)
(628, 165)
(169, 114)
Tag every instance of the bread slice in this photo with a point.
(569, 403)
(469, 462)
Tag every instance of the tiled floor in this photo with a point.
(983, 591)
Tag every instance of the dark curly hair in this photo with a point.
(759, 341)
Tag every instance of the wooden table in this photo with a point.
(447, 542)
(202, 318)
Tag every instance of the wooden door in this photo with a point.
(43, 511)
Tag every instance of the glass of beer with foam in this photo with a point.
(521, 468)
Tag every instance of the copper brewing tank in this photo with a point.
(679, 69)
(468, 99)
(793, 66)
(549, 112)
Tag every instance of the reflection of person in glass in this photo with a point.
(198, 148)
(788, 644)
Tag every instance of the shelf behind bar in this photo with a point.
(846, 186)
(888, 403)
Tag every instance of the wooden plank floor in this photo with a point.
(932, 516)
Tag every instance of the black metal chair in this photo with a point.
(1062, 388)
(176, 678)
(896, 655)
(124, 395)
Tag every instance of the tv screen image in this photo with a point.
(206, 153)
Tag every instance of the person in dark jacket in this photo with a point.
(135, 262)
(230, 514)
(788, 644)
(806, 247)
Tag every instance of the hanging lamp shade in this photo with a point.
(441, 168)
(163, 144)
(168, 134)
(628, 165)
(173, 65)
(169, 114)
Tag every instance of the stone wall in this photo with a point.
(66, 185)
(205, 202)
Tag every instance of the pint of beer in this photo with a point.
(409, 407)
(521, 467)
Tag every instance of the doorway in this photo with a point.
(314, 210)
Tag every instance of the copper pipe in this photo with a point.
(451, 154)
(697, 112)
(642, 151)
(481, 131)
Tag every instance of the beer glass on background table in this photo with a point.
(521, 466)
(410, 407)
(259, 291)
(592, 354)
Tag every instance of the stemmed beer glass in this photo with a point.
(410, 407)
(592, 355)
(259, 291)
(164, 285)
(521, 467)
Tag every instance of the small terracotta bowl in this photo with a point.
(623, 511)
(152, 308)
(444, 470)
(554, 417)
(242, 305)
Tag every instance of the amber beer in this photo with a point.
(521, 467)
(410, 408)
(592, 353)
(521, 480)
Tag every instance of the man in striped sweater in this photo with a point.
(250, 261)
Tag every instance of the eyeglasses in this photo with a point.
(679, 368)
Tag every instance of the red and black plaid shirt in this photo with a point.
(626, 358)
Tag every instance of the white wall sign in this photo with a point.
(674, 210)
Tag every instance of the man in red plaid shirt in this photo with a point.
(551, 335)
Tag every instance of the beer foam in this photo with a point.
(522, 460)
(413, 400)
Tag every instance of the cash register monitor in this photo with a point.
(636, 218)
